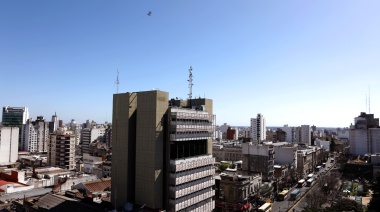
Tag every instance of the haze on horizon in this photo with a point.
(296, 62)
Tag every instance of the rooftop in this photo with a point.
(98, 185)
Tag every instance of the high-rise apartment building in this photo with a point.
(305, 135)
(35, 135)
(290, 133)
(258, 129)
(54, 124)
(90, 134)
(365, 135)
(61, 150)
(162, 152)
(8, 145)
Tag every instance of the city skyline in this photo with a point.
(295, 62)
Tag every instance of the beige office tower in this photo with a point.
(162, 152)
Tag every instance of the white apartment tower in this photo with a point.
(96, 132)
(8, 144)
(305, 135)
(35, 135)
(258, 128)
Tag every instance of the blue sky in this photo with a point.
(296, 62)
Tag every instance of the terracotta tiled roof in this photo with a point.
(59, 203)
(98, 185)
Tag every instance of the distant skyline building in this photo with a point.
(162, 152)
(35, 135)
(54, 124)
(14, 116)
(92, 133)
(8, 145)
(290, 133)
(305, 135)
(258, 129)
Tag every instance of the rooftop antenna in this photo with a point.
(366, 103)
(190, 80)
(117, 82)
(369, 99)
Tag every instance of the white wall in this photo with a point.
(254, 150)
(284, 155)
(8, 144)
(305, 134)
(325, 144)
(375, 140)
(358, 142)
(288, 131)
(14, 187)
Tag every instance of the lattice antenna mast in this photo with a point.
(190, 80)
(117, 82)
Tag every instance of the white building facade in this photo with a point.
(290, 133)
(365, 135)
(35, 135)
(258, 129)
(285, 155)
(91, 134)
(8, 144)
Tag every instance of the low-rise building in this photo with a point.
(234, 191)
(227, 153)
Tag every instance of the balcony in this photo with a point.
(188, 127)
(191, 175)
(191, 163)
(190, 200)
(188, 188)
(190, 136)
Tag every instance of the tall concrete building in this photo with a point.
(35, 135)
(365, 135)
(90, 134)
(305, 134)
(290, 133)
(162, 152)
(258, 129)
(8, 145)
(54, 124)
(15, 116)
(61, 149)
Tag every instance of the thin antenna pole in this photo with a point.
(366, 103)
(190, 80)
(117, 82)
(369, 100)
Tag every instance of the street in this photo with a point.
(287, 204)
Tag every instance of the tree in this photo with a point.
(314, 199)
(345, 204)
(375, 201)
(223, 166)
(332, 145)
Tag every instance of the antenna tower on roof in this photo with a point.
(190, 80)
(117, 82)
(369, 99)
